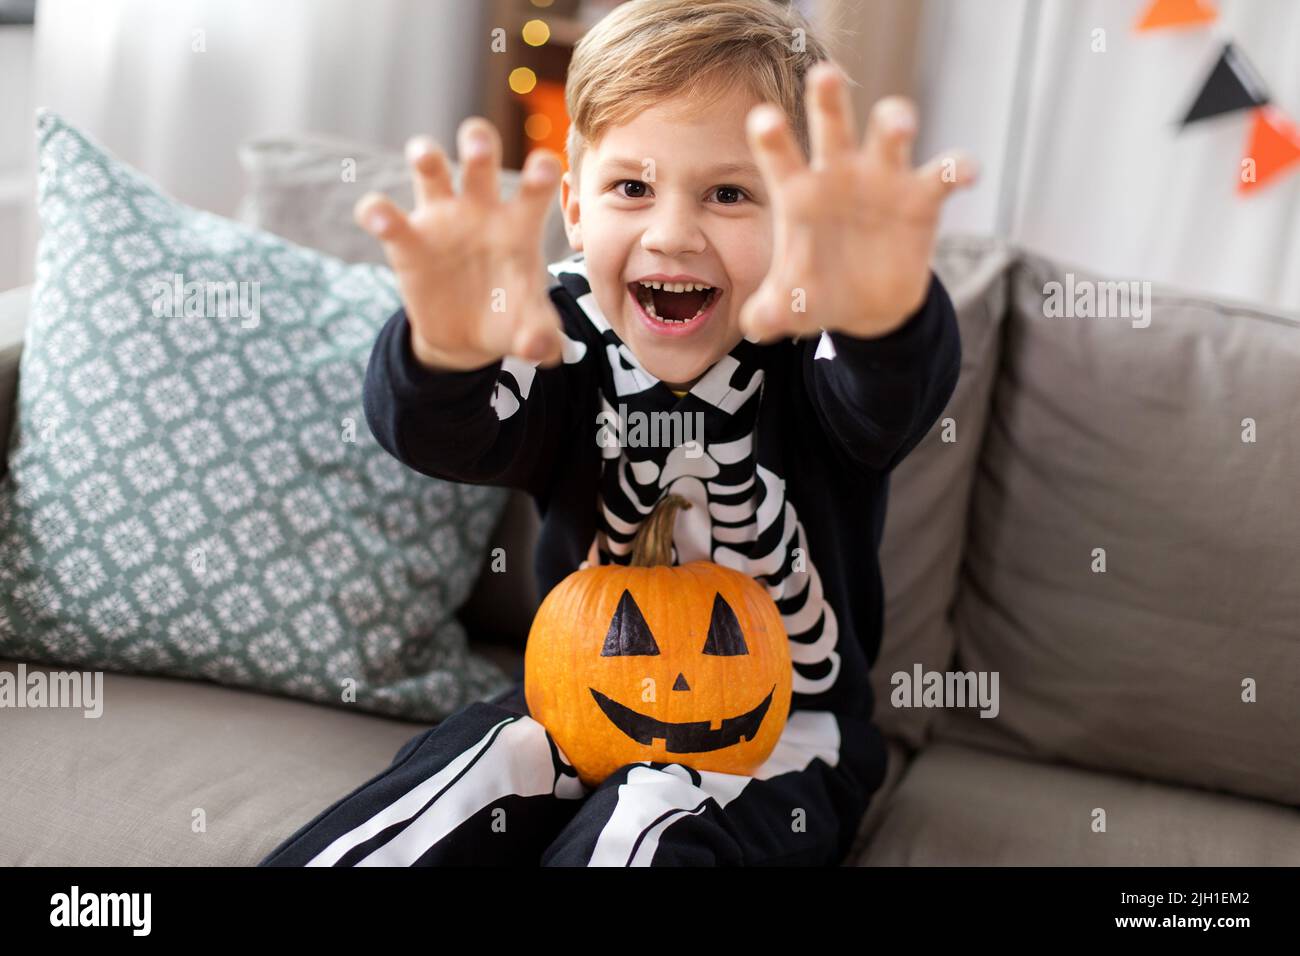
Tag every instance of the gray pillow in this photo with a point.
(1109, 440)
(304, 188)
(198, 494)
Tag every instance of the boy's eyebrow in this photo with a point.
(721, 169)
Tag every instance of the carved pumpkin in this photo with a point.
(681, 664)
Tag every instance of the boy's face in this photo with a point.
(674, 191)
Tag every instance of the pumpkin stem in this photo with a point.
(653, 543)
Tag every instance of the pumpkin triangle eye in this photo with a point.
(724, 631)
(628, 632)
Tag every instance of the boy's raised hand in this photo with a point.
(854, 229)
(469, 266)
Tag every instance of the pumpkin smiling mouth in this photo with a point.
(685, 738)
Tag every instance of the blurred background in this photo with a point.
(1075, 113)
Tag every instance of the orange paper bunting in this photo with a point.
(1273, 146)
(1177, 13)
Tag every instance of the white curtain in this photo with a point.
(174, 86)
(1081, 151)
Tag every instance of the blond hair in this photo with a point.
(646, 51)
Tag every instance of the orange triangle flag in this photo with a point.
(1274, 145)
(1176, 13)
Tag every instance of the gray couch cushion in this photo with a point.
(297, 189)
(1103, 435)
(925, 523)
(122, 789)
(957, 806)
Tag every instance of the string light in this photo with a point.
(522, 79)
(536, 32)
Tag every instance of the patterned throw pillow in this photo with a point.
(193, 489)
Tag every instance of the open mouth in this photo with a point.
(686, 738)
(674, 304)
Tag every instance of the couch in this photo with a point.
(1124, 733)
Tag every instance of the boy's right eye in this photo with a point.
(635, 182)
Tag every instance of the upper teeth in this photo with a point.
(678, 286)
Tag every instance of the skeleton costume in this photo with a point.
(788, 480)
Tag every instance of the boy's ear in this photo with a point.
(569, 207)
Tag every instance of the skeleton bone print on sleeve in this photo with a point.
(520, 373)
(739, 517)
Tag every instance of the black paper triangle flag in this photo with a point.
(1232, 85)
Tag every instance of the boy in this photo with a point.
(797, 317)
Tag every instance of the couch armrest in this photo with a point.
(13, 321)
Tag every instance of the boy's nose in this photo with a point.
(675, 231)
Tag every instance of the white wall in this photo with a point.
(1092, 167)
(129, 74)
(967, 91)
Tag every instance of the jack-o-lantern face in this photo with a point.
(629, 635)
(676, 664)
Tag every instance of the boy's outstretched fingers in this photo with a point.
(480, 157)
(539, 343)
(775, 150)
(538, 337)
(830, 114)
(541, 174)
(430, 175)
(891, 126)
(758, 316)
(948, 171)
(380, 216)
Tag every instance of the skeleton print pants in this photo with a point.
(488, 786)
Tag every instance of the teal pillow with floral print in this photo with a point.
(192, 487)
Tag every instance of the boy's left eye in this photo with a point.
(732, 189)
(636, 183)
